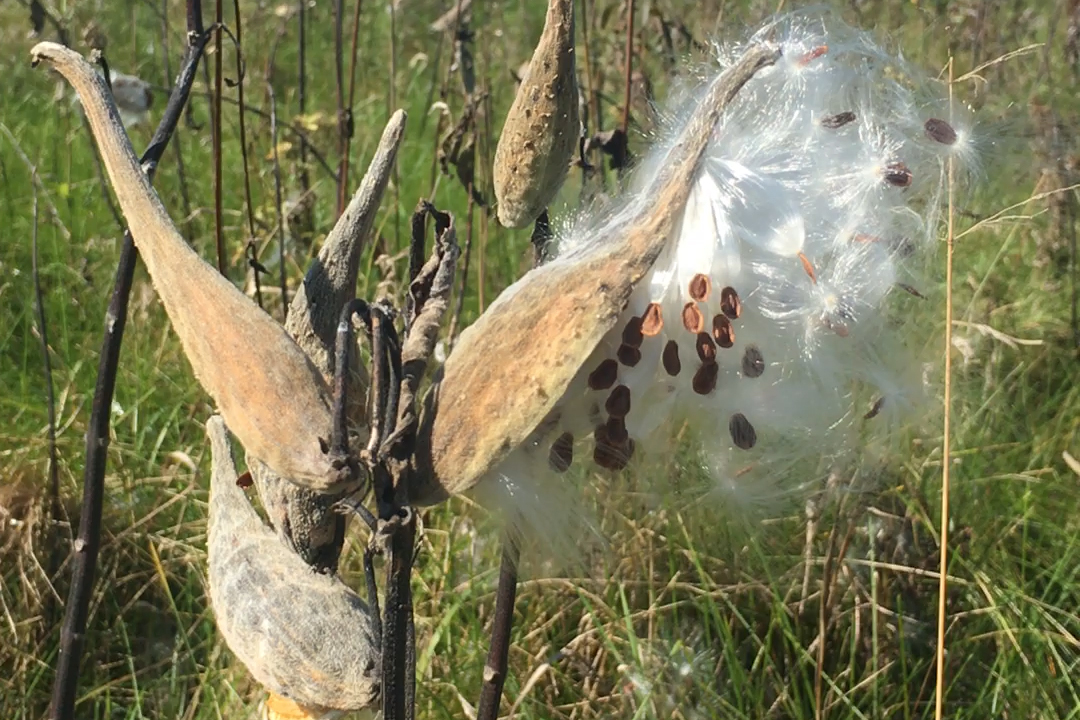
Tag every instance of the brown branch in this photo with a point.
(277, 205)
(215, 131)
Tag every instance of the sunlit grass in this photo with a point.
(685, 614)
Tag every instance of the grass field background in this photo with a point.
(686, 614)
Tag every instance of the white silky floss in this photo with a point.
(764, 322)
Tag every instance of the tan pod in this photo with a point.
(542, 129)
(274, 399)
(304, 635)
(509, 368)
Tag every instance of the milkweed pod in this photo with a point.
(542, 129)
(273, 397)
(304, 635)
(508, 370)
(305, 519)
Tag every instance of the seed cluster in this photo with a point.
(767, 312)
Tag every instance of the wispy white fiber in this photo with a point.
(768, 329)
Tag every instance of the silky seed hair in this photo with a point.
(769, 323)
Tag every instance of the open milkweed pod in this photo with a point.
(305, 519)
(274, 399)
(542, 129)
(304, 635)
(509, 369)
(745, 299)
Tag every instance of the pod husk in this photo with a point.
(304, 635)
(303, 518)
(272, 396)
(509, 369)
(542, 129)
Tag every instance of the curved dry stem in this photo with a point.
(273, 397)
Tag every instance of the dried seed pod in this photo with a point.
(542, 129)
(281, 413)
(572, 302)
(305, 519)
(304, 635)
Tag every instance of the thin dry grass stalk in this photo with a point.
(500, 382)
(542, 128)
(305, 636)
(281, 414)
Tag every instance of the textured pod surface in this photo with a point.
(304, 635)
(542, 129)
(512, 365)
(274, 399)
(304, 518)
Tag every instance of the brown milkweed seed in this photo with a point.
(628, 355)
(631, 334)
(898, 174)
(875, 408)
(616, 430)
(837, 121)
(911, 290)
(722, 331)
(561, 456)
(808, 267)
(704, 381)
(813, 55)
(604, 375)
(618, 402)
(706, 348)
(699, 287)
(742, 432)
(607, 454)
(730, 304)
(692, 319)
(940, 131)
(671, 358)
(652, 320)
(753, 362)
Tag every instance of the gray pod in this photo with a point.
(304, 635)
